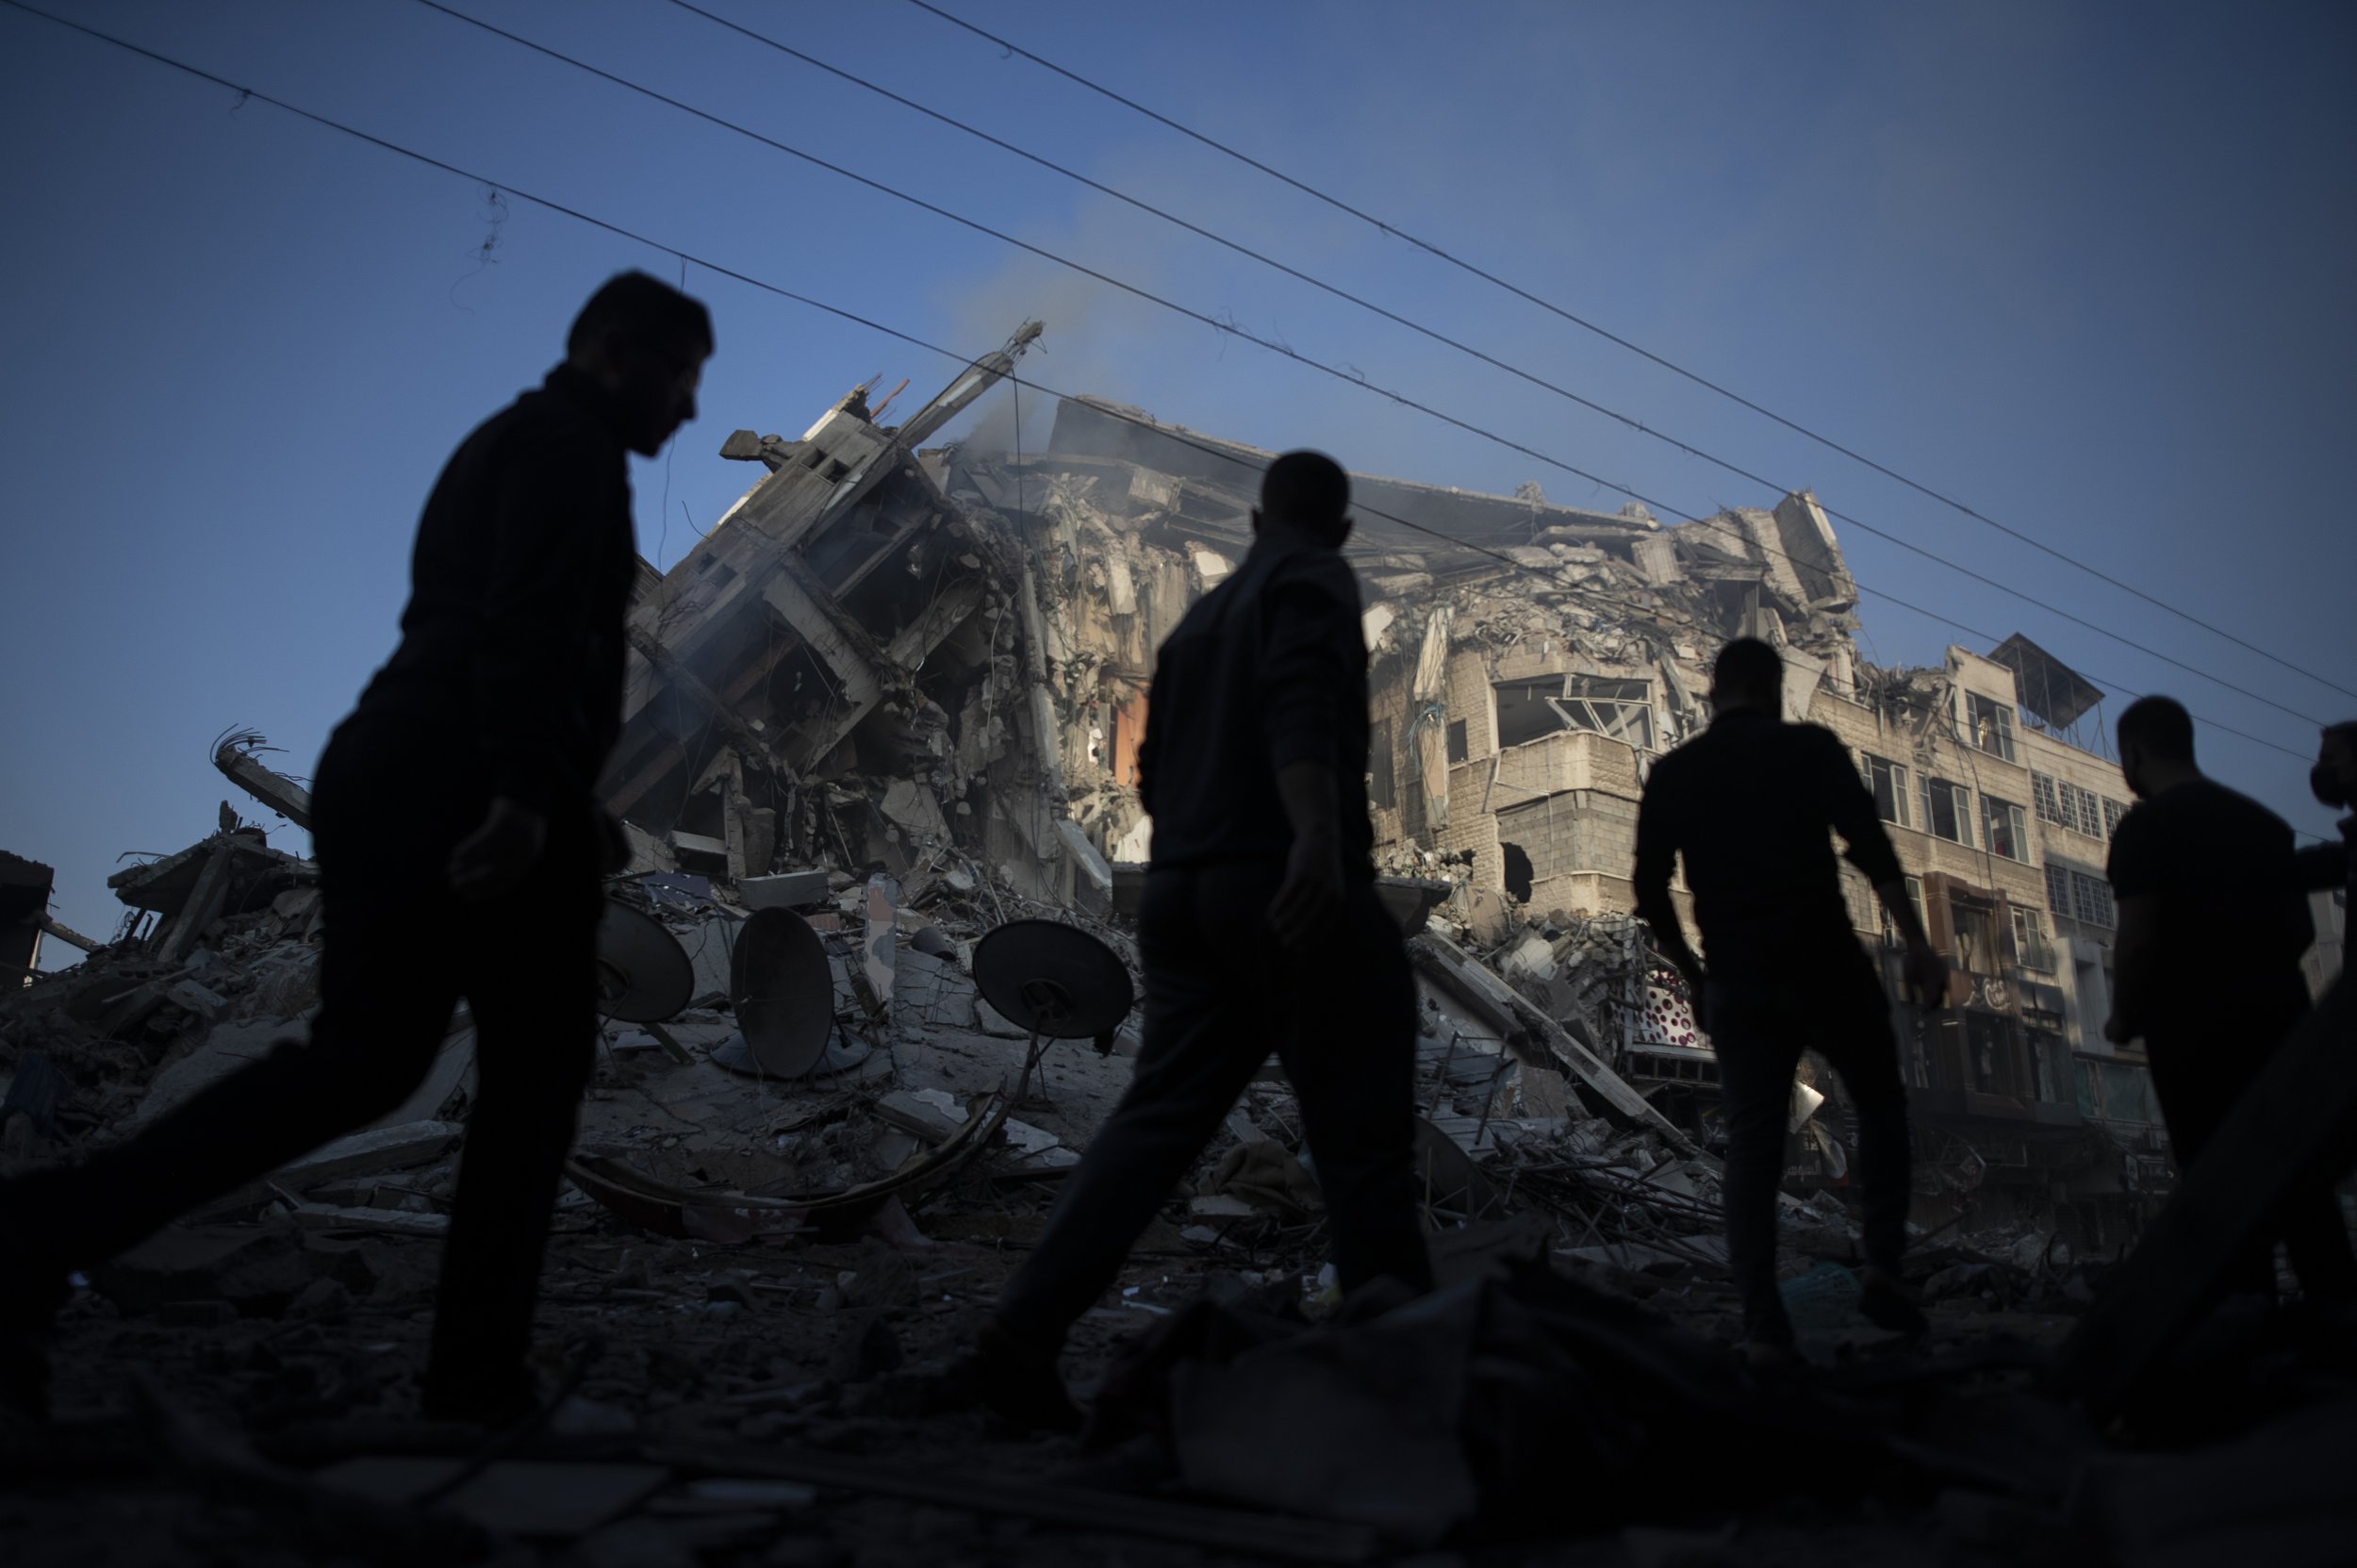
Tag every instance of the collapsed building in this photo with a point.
(899, 689)
(933, 662)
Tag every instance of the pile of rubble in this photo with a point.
(897, 692)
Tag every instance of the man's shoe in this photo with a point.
(1018, 1384)
(1884, 1303)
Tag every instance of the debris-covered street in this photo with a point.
(813, 1148)
(1305, 819)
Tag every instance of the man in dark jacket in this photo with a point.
(2330, 867)
(1260, 927)
(2213, 925)
(461, 846)
(1748, 803)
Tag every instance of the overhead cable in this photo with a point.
(762, 285)
(1438, 253)
(1339, 373)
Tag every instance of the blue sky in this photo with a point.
(2083, 266)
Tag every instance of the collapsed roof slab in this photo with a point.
(1087, 427)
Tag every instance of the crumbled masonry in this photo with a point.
(898, 690)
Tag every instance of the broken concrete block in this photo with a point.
(1025, 1139)
(1220, 1206)
(785, 890)
(911, 808)
(363, 1153)
(381, 1222)
(190, 998)
(928, 1113)
(260, 1268)
(991, 1021)
(930, 990)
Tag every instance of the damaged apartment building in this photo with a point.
(1529, 662)
(933, 663)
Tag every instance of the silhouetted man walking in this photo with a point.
(461, 846)
(1748, 802)
(2333, 868)
(2212, 924)
(1259, 926)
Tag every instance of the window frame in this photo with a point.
(1959, 809)
(2016, 829)
(2092, 896)
(2046, 799)
(1895, 773)
(1999, 717)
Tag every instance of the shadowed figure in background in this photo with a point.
(1258, 928)
(461, 846)
(1749, 803)
(2333, 868)
(2213, 925)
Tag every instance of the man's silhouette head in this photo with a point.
(2155, 744)
(1309, 492)
(646, 344)
(1748, 673)
(2333, 780)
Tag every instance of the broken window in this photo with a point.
(2047, 800)
(1914, 897)
(1527, 710)
(1380, 793)
(1975, 926)
(2092, 896)
(1616, 709)
(1888, 781)
(1947, 811)
(2030, 947)
(2080, 810)
(1456, 752)
(2002, 821)
(1990, 724)
(1521, 876)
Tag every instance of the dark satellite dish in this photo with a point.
(783, 989)
(644, 976)
(1056, 980)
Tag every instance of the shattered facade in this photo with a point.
(897, 691)
(1528, 663)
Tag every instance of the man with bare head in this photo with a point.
(1748, 804)
(461, 846)
(2212, 924)
(1260, 928)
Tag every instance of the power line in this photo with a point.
(1337, 374)
(1396, 232)
(762, 285)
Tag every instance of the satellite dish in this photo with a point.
(643, 973)
(1056, 980)
(783, 989)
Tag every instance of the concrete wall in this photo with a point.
(1582, 844)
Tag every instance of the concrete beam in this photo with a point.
(283, 796)
(1521, 1025)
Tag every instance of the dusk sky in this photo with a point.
(2085, 267)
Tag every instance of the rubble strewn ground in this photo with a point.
(900, 692)
(292, 1317)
